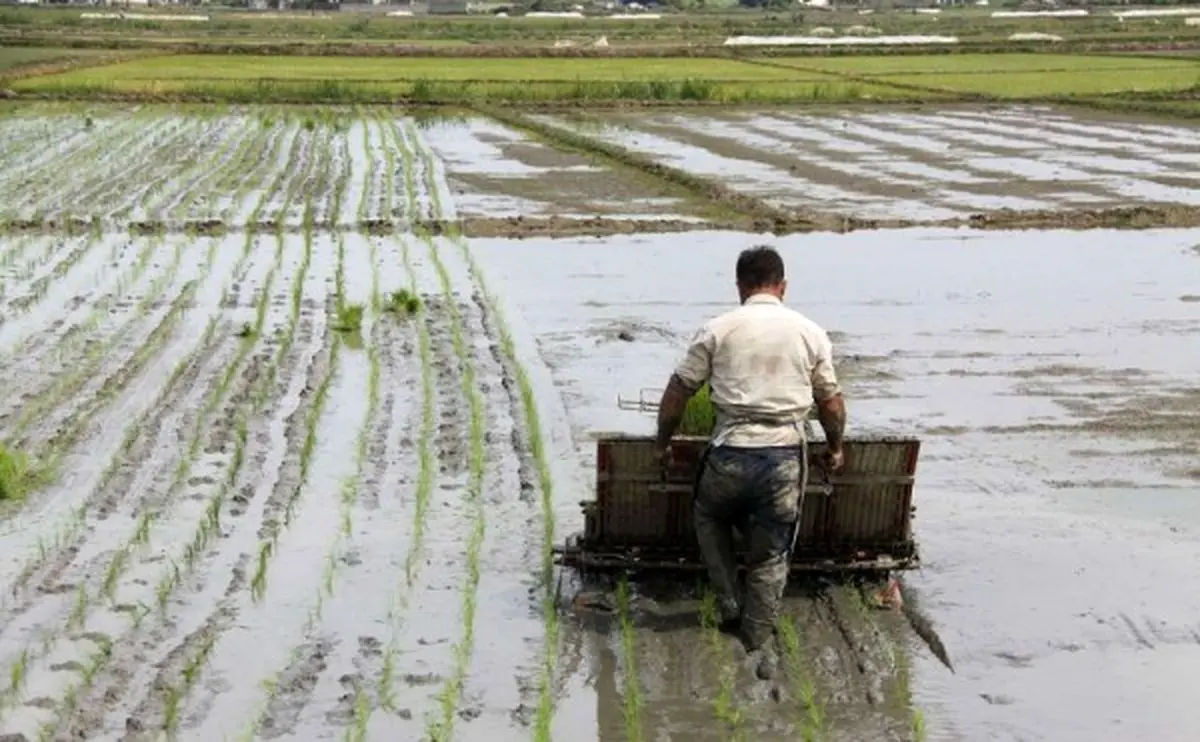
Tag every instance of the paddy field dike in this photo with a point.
(303, 359)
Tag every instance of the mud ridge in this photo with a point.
(451, 438)
(527, 467)
(293, 688)
(291, 475)
(398, 369)
(780, 223)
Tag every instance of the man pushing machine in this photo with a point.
(766, 366)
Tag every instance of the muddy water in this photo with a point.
(1056, 490)
(244, 539)
(918, 165)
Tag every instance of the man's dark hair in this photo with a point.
(759, 266)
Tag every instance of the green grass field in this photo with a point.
(391, 69)
(1018, 75)
(339, 79)
(13, 57)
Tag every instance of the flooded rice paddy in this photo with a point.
(268, 522)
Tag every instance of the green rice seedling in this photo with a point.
(632, 685)
(402, 303)
(724, 708)
(18, 474)
(18, 672)
(349, 318)
(699, 417)
(813, 723)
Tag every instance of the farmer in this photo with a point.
(766, 366)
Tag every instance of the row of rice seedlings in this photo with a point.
(813, 723)
(77, 617)
(147, 518)
(59, 167)
(142, 531)
(114, 164)
(261, 161)
(342, 182)
(164, 153)
(183, 469)
(632, 688)
(227, 156)
(443, 729)
(348, 494)
(266, 547)
(88, 673)
(425, 478)
(533, 426)
(725, 708)
(387, 132)
(900, 661)
(37, 289)
(11, 254)
(66, 534)
(24, 271)
(85, 369)
(369, 175)
(210, 524)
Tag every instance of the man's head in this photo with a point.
(760, 271)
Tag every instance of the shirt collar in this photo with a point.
(763, 298)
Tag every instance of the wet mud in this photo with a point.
(250, 533)
(1044, 443)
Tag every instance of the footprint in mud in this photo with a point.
(1015, 660)
(428, 678)
(69, 666)
(370, 646)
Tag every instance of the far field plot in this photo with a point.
(919, 165)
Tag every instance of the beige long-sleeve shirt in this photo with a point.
(765, 364)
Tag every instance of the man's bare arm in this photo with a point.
(831, 413)
(670, 409)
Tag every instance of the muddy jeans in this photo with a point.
(759, 490)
